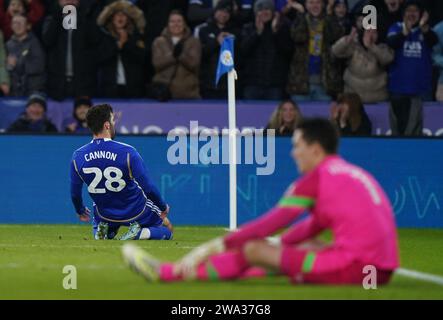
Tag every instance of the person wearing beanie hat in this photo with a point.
(260, 5)
(34, 118)
(211, 36)
(77, 124)
(226, 5)
(339, 9)
(200, 11)
(266, 50)
(332, 7)
(37, 98)
(221, 15)
(26, 59)
(410, 75)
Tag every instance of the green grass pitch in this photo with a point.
(32, 258)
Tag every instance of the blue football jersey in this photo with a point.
(117, 181)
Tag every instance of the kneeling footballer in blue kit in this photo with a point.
(118, 183)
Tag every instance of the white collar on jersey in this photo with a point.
(104, 139)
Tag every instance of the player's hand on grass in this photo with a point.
(165, 213)
(85, 216)
(187, 266)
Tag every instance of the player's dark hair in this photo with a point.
(97, 116)
(321, 131)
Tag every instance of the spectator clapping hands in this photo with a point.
(352, 37)
(294, 4)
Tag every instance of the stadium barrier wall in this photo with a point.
(34, 173)
(151, 117)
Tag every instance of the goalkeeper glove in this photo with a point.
(187, 266)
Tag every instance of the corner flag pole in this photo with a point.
(226, 65)
(232, 76)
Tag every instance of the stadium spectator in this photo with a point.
(357, 17)
(71, 54)
(365, 73)
(388, 13)
(438, 59)
(77, 124)
(211, 37)
(122, 54)
(266, 50)
(245, 13)
(34, 118)
(339, 9)
(291, 8)
(26, 59)
(410, 75)
(34, 10)
(435, 9)
(176, 58)
(285, 118)
(315, 74)
(156, 14)
(349, 114)
(95, 7)
(5, 84)
(353, 3)
(199, 11)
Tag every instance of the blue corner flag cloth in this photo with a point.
(226, 58)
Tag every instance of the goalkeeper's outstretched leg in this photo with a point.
(258, 259)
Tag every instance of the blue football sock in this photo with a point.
(154, 233)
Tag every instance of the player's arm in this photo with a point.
(295, 201)
(304, 230)
(139, 172)
(76, 193)
(288, 209)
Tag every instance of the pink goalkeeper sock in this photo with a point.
(254, 272)
(166, 273)
(224, 266)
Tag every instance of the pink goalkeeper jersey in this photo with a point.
(341, 197)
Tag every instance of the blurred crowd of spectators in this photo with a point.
(284, 49)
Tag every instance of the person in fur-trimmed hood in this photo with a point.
(123, 50)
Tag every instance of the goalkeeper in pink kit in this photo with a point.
(339, 196)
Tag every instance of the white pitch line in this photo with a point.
(420, 276)
(55, 266)
(86, 246)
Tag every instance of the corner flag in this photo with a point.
(226, 65)
(226, 58)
